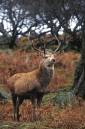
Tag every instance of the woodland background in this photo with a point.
(22, 21)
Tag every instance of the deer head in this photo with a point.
(48, 57)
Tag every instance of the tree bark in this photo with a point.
(79, 77)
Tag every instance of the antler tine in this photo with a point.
(44, 49)
(59, 44)
(35, 47)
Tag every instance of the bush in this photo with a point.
(64, 98)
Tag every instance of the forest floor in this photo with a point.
(50, 115)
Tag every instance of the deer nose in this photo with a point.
(53, 60)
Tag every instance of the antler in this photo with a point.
(45, 45)
(59, 44)
(35, 47)
(39, 50)
(55, 38)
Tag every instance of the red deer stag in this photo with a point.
(32, 85)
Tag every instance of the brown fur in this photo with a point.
(23, 82)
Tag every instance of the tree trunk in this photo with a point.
(79, 77)
(12, 43)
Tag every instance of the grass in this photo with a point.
(48, 98)
(24, 125)
(8, 125)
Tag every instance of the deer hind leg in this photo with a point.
(14, 100)
(19, 102)
(33, 101)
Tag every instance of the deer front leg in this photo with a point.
(19, 102)
(14, 100)
(39, 100)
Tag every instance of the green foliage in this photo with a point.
(64, 98)
(48, 98)
(24, 125)
(6, 126)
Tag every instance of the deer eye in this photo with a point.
(46, 57)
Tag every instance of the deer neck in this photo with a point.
(45, 75)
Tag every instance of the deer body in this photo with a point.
(23, 82)
(31, 85)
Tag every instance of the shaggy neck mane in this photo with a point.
(44, 75)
